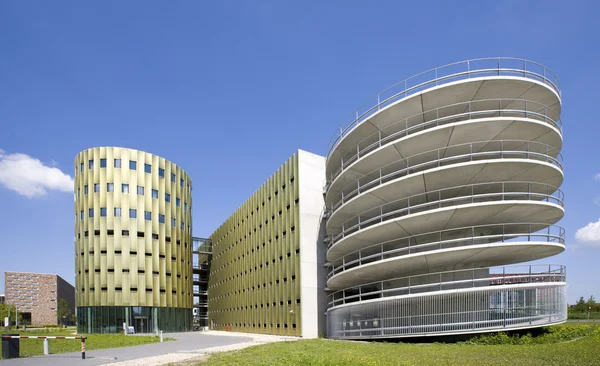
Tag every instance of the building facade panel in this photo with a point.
(255, 284)
(133, 239)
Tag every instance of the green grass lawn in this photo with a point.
(563, 345)
(35, 347)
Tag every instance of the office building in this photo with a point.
(434, 186)
(133, 242)
(36, 296)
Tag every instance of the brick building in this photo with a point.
(36, 295)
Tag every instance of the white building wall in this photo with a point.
(311, 171)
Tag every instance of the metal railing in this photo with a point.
(498, 66)
(453, 113)
(455, 154)
(447, 197)
(490, 308)
(447, 239)
(448, 280)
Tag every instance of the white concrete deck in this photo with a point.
(471, 131)
(495, 212)
(476, 256)
(474, 172)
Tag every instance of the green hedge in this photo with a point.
(555, 334)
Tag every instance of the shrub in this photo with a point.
(554, 334)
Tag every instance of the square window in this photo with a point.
(110, 187)
(147, 168)
(185, 206)
(173, 177)
(167, 197)
(181, 182)
(91, 212)
(173, 221)
(182, 226)
(96, 187)
(177, 202)
(161, 219)
(85, 189)
(140, 190)
(132, 165)
(148, 215)
(91, 164)
(81, 215)
(81, 167)
(103, 211)
(117, 212)
(78, 192)
(155, 193)
(124, 188)
(102, 163)
(117, 163)
(161, 172)
(132, 213)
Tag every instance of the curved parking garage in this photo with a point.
(434, 182)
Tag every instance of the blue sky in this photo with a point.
(229, 90)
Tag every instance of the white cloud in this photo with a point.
(597, 177)
(30, 177)
(589, 235)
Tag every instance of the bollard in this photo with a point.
(161, 337)
(46, 347)
(83, 348)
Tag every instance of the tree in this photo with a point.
(580, 305)
(8, 310)
(591, 303)
(64, 312)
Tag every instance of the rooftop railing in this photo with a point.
(498, 66)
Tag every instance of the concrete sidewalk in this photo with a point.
(186, 346)
(185, 342)
(255, 339)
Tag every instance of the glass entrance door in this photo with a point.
(141, 324)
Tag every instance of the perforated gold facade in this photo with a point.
(254, 284)
(133, 230)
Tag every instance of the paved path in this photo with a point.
(185, 346)
(183, 355)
